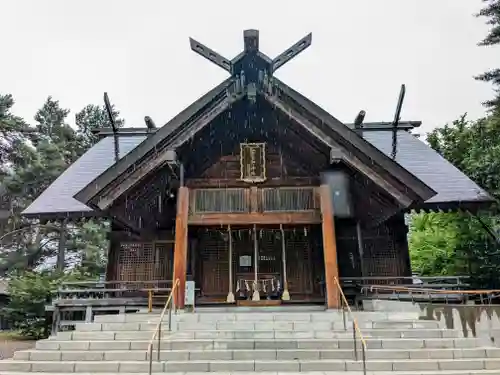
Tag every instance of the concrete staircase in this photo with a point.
(260, 340)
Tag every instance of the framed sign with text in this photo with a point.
(253, 162)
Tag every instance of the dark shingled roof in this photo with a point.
(451, 184)
(58, 199)
(418, 158)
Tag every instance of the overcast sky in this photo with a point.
(138, 51)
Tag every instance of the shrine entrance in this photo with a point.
(256, 263)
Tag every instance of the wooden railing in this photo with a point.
(84, 299)
(245, 200)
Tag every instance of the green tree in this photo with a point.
(51, 147)
(94, 117)
(11, 134)
(458, 243)
(492, 13)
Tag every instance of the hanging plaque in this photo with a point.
(253, 162)
(245, 261)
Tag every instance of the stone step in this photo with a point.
(251, 365)
(318, 334)
(258, 317)
(235, 344)
(245, 326)
(264, 354)
(260, 334)
(436, 372)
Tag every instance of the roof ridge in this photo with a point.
(370, 126)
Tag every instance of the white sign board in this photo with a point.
(189, 295)
(245, 261)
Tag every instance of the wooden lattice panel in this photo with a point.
(299, 260)
(214, 256)
(218, 200)
(382, 256)
(145, 261)
(164, 255)
(288, 199)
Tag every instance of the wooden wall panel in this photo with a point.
(213, 250)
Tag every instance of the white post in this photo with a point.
(286, 295)
(256, 295)
(230, 295)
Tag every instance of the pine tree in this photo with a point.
(492, 13)
(90, 118)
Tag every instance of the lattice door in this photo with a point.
(214, 254)
(148, 261)
(135, 262)
(299, 260)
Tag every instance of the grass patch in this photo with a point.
(12, 336)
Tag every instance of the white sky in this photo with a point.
(138, 51)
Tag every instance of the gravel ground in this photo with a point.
(9, 347)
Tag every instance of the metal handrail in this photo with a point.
(356, 331)
(465, 294)
(157, 332)
(372, 288)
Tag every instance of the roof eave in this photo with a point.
(473, 206)
(63, 215)
(92, 190)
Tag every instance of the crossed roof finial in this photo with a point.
(251, 48)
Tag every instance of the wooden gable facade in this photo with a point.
(254, 192)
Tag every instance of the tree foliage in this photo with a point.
(29, 293)
(492, 14)
(461, 243)
(31, 158)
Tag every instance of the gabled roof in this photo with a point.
(251, 76)
(403, 185)
(454, 189)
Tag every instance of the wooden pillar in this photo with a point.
(329, 248)
(180, 247)
(286, 293)
(230, 294)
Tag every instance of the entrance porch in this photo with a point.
(258, 262)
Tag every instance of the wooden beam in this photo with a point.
(329, 248)
(231, 182)
(180, 247)
(306, 217)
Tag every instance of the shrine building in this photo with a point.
(256, 193)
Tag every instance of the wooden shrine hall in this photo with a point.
(255, 193)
